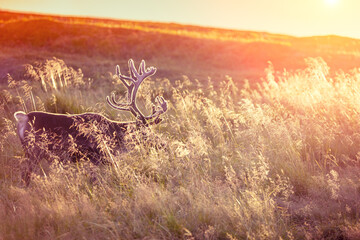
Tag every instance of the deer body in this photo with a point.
(83, 136)
(62, 127)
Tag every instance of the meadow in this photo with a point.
(262, 132)
(279, 160)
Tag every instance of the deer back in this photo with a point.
(40, 132)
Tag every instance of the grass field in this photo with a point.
(276, 161)
(274, 158)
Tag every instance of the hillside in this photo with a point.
(177, 50)
(275, 157)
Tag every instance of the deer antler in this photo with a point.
(136, 78)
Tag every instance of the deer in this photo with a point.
(83, 136)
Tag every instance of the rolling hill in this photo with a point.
(97, 45)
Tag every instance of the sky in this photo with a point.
(292, 17)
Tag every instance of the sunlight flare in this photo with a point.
(331, 2)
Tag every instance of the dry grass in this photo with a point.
(276, 162)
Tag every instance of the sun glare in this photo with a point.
(331, 2)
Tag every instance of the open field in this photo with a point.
(275, 157)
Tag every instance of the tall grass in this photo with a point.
(279, 161)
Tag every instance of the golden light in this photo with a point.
(331, 2)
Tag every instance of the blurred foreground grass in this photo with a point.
(279, 161)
